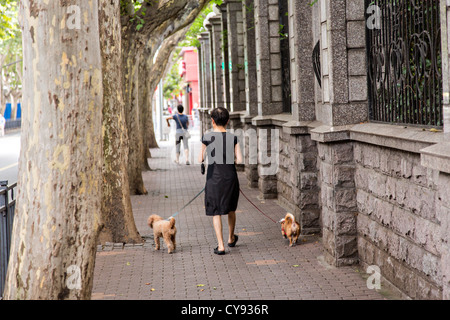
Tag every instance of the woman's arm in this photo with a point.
(201, 156)
(238, 153)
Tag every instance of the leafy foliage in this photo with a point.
(10, 50)
(9, 27)
(197, 26)
(172, 82)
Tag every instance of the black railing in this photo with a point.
(404, 62)
(13, 124)
(7, 207)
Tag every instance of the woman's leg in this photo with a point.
(177, 147)
(231, 225)
(217, 221)
(186, 149)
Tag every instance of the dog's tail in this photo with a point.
(151, 219)
(290, 217)
(172, 222)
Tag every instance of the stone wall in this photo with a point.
(398, 224)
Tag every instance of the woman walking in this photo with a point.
(222, 184)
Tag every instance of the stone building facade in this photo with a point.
(300, 95)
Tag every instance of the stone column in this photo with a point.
(437, 157)
(235, 69)
(298, 187)
(236, 55)
(269, 90)
(251, 96)
(212, 83)
(201, 81)
(343, 55)
(302, 73)
(200, 76)
(251, 86)
(225, 56)
(206, 67)
(268, 58)
(338, 199)
(217, 61)
(344, 103)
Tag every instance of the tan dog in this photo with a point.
(165, 229)
(290, 228)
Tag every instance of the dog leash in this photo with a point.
(305, 235)
(256, 206)
(203, 190)
(178, 212)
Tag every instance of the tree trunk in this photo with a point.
(131, 54)
(145, 108)
(60, 167)
(150, 131)
(13, 106)
(117, 215)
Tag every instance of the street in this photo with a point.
(9, 155)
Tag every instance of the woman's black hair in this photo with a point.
(221, 116)
(180, 108)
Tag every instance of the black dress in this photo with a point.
(222, 183)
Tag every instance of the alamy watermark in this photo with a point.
(374, 280)
(73, 281)
(374, 19)
(74, 17)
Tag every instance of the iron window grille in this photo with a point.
(404, 62)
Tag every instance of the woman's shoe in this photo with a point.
(233, 244)
(220, 253)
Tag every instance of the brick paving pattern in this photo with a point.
(261, 267)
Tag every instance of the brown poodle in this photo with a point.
(165, 229)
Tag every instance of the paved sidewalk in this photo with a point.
(261, 267)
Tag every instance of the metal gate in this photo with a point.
(7, 207)
(404, 62)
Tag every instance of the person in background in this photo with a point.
(2, 125)
(182, 123)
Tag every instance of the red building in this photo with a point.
(189, 74)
